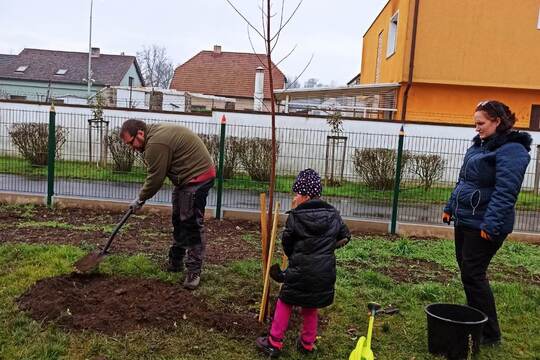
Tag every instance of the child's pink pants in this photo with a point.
(281, 322)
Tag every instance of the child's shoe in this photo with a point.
(265, 346)
(304, 348)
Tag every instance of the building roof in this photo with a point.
(42, 65)
(4, 59)
(230, 74)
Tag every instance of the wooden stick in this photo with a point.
(266, 287)
(264, 237)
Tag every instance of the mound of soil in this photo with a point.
(117, 305)
(404, 270)
(149, 233)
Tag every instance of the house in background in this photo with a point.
(40, 75)
(465, 52)
(227, 74)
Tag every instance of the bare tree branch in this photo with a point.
(286, 22)
(254, 51)
(280, 24)
(156, 68)
(286, 56)
(305, 68)
(245, 19)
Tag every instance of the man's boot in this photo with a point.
(175, 266)
(192, 280)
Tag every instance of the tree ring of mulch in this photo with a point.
(117, 305)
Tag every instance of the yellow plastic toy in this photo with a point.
(363, 351)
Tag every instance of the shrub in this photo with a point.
(122, 154)
(429, 168)
(230, 162)
(256, 157)
(376, 167)
(31, 139)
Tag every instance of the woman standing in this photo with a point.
(482, 203)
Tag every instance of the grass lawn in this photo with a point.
(410, 194)
(367, 271)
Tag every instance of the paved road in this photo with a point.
(245, 199)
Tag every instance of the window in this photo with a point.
(61, 72)
(392, 35)
(17, 97)
(538, 25)
(535, 117)
(21, 69)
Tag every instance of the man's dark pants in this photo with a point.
(189, 240)
(473, 254)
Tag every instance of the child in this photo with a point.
(312, 232)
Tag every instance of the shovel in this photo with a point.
(91, 261)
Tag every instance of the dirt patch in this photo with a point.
(148, 233)
(403, 270)
(117, 305)
(499, 272)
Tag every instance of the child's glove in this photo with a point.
(276, 274)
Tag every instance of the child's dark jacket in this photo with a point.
(309, 241)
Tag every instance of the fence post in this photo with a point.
(537, 172)
(220, 166)
(51, 152)
(395, 198)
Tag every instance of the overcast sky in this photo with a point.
(330, 30)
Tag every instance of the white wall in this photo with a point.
(302, 140)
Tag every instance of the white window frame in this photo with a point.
(21, 69)
(392, 35)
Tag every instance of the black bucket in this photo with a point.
(454, 330)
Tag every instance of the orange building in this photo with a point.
(464, 52)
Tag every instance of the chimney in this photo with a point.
(217, 49)
(95, 52)
(258, 95)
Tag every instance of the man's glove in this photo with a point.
(277, 274)
(136, 205)
(446, 218)
(484, 235)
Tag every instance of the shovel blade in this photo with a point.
(89, 262)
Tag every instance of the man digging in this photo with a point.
(176, 152)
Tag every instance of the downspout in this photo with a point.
(411, 63)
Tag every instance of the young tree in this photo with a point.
(270, 39)
(157, 69)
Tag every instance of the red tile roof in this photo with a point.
(230, 74)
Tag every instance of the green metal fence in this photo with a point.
(358, 168)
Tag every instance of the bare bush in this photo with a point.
(230, 163)
(428, 167)
(376, 167)
(32, 141)
(122, 154)
(256, 157)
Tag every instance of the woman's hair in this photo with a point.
(132, 126)
(496, 109)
